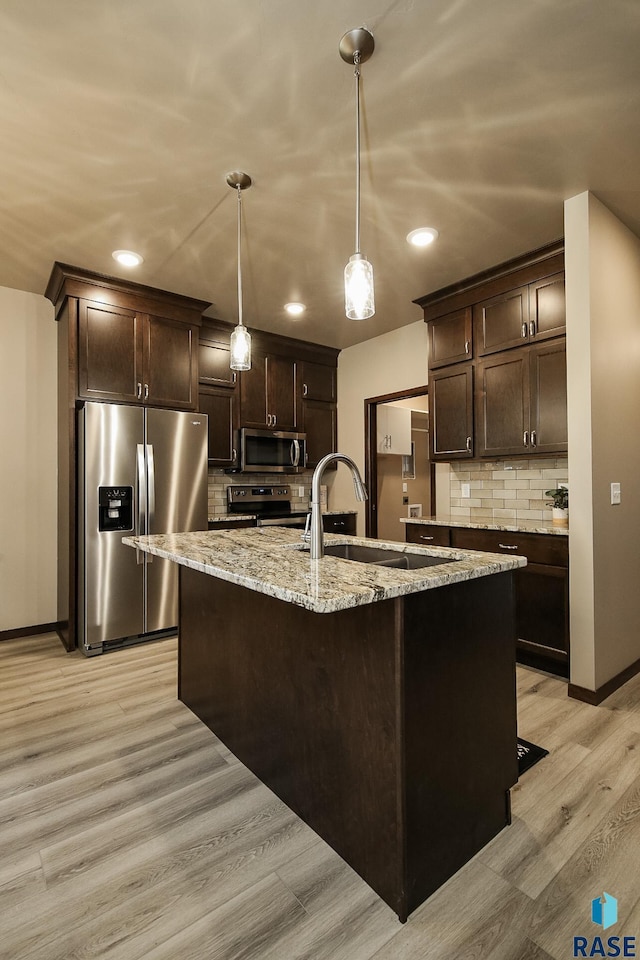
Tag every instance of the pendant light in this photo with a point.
(356, 47)
(240, 343)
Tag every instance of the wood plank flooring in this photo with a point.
(129, 832)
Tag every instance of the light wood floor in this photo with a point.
(128, 831)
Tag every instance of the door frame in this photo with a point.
(370, 454)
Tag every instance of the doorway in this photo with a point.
(399, 476)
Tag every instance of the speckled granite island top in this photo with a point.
(270, 560)
(511, 526)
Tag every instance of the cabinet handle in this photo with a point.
(339, 523)
(139, 393)
(524, 329)
(305, 390)
(534, 438)
(146, 391)
(423, 537)
(234, 378)
(468, 444)
(532, 328)
(234, 454)
(269, 418)
(508, 546)
(467, 346)
(275, 420)
(525, 438)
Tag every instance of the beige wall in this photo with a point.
(387, 364)
(603, 366)
(28, 476)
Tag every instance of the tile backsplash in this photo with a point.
(219, 481)
(507, 489)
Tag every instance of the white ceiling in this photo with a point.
(120, 121)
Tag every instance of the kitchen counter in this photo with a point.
(372, 721)
(511, 526)
(270, 560)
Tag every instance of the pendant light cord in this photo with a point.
(356, 61)
(239, 255)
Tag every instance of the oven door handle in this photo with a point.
(295, 453)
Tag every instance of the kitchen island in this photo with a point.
(378, 703)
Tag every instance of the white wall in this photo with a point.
(387, 364)
(28, 475)
(602, 260)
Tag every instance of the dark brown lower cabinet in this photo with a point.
(541, 588)
(339, 523)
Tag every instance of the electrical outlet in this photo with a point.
(615, 493)
(466, 490)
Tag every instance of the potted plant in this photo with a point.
(559, 505)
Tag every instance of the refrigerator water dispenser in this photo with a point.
(115, 508)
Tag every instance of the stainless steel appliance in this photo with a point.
(272, 451)
(140, 471)
(271, 505)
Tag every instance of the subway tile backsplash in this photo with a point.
(506, 490)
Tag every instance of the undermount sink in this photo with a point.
(382, 557)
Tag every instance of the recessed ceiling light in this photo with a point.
(127, 258)
(295, 309)
(423, 236)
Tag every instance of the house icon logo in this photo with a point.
(604, 910)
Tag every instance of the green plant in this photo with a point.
(559, 498)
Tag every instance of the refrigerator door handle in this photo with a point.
(141, 506)
(151, 493)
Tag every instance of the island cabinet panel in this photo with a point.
(428, 535)
(390, 728)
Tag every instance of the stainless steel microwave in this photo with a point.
(272, 451)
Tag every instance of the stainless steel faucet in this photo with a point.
(317, 537)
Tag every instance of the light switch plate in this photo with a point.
(615, 493)
(466, 490)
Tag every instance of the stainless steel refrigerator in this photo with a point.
(140, 471)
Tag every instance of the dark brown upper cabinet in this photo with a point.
(521, 401)
(451, 413)
(134, 357)
(320, 425)
(520, 316)
(317, 381)
(268, 393)
(450, 338)
(214, 357)
(222, 408)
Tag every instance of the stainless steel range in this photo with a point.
(272, 505)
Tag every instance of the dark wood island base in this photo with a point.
(390, 728)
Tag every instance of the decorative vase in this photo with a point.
(560, 517)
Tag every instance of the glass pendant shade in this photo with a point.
(240, 348)
(359, 301)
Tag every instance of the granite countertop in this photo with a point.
(270, 560)
(512, 526)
